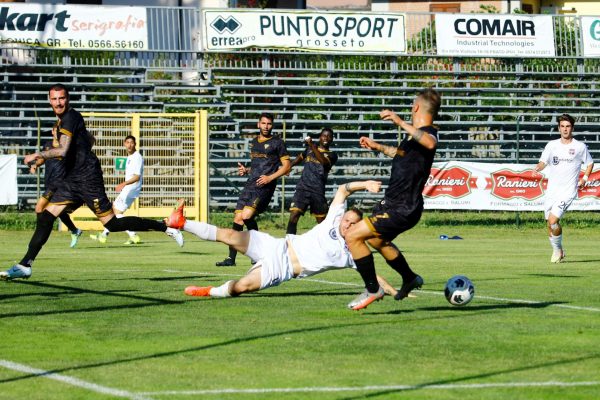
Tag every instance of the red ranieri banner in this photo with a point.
(346, 32)
(73, 26)
(510, 187)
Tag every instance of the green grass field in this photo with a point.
(100, 322)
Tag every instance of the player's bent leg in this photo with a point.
(115, 224)
(249, 283)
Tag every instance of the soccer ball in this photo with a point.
(459, 290)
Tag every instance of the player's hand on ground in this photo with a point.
(242, 170)
(367, 143)
(373, 186)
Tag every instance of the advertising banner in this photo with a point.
(590, 33)
(509, 187)
(8, 179)
(73, 27)
(230, 29)
(494, 35)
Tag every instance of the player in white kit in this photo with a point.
(296, 256)
(563, 157)
(128, 190)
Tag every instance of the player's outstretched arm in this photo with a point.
(368, 143)
(346, 190)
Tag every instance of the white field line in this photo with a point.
(69, 380)
(438, 293)
(374, 388)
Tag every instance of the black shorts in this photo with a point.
(257, 198)
(389, 223)
(89, 192)
(317, 202)
(50, 187)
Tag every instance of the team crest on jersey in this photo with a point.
(333, 234)
(571, 152)
(555, 160)
(266, 146)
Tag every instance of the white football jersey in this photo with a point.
(563, 164)
(134, 166)
(323, 247)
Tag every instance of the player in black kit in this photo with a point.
(269, 160)
(53, 177)
(402, 205)
(310, 189)
(83, 184)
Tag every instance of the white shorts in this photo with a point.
(125, 199)
(557, 206)
(271, 255)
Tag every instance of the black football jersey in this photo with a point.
(314, 174)
(266, 156)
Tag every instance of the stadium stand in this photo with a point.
(493, 109)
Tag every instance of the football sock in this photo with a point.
(135, 224)
(201, 229)
(232, 251)
(366, 269)
(221, 291)
(400, 265)
(43, 229)
(65, 219)
(130, 233)
(292, 228)
(556, 242)
(251, 224)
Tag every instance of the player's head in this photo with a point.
(129, 144)
(326, 137)
(566, 123)
(265, 123)
(349, 219)
(428, 102)
(58, 96)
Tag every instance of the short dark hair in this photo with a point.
(267, 115)
(356, 211)
(130, 137)
(432, 99)
(565, 117)
(59, 87)
(328, 130)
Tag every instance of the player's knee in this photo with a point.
(554, 226)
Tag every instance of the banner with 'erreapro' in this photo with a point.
(73, 27)
(348, 32)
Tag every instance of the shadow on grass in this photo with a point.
(566, 361)
(69, 290)
(555, 276)
(472, 308)
(362, 323)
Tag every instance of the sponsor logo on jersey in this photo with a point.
(454, 182)
(333, 234)
(507, 184)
